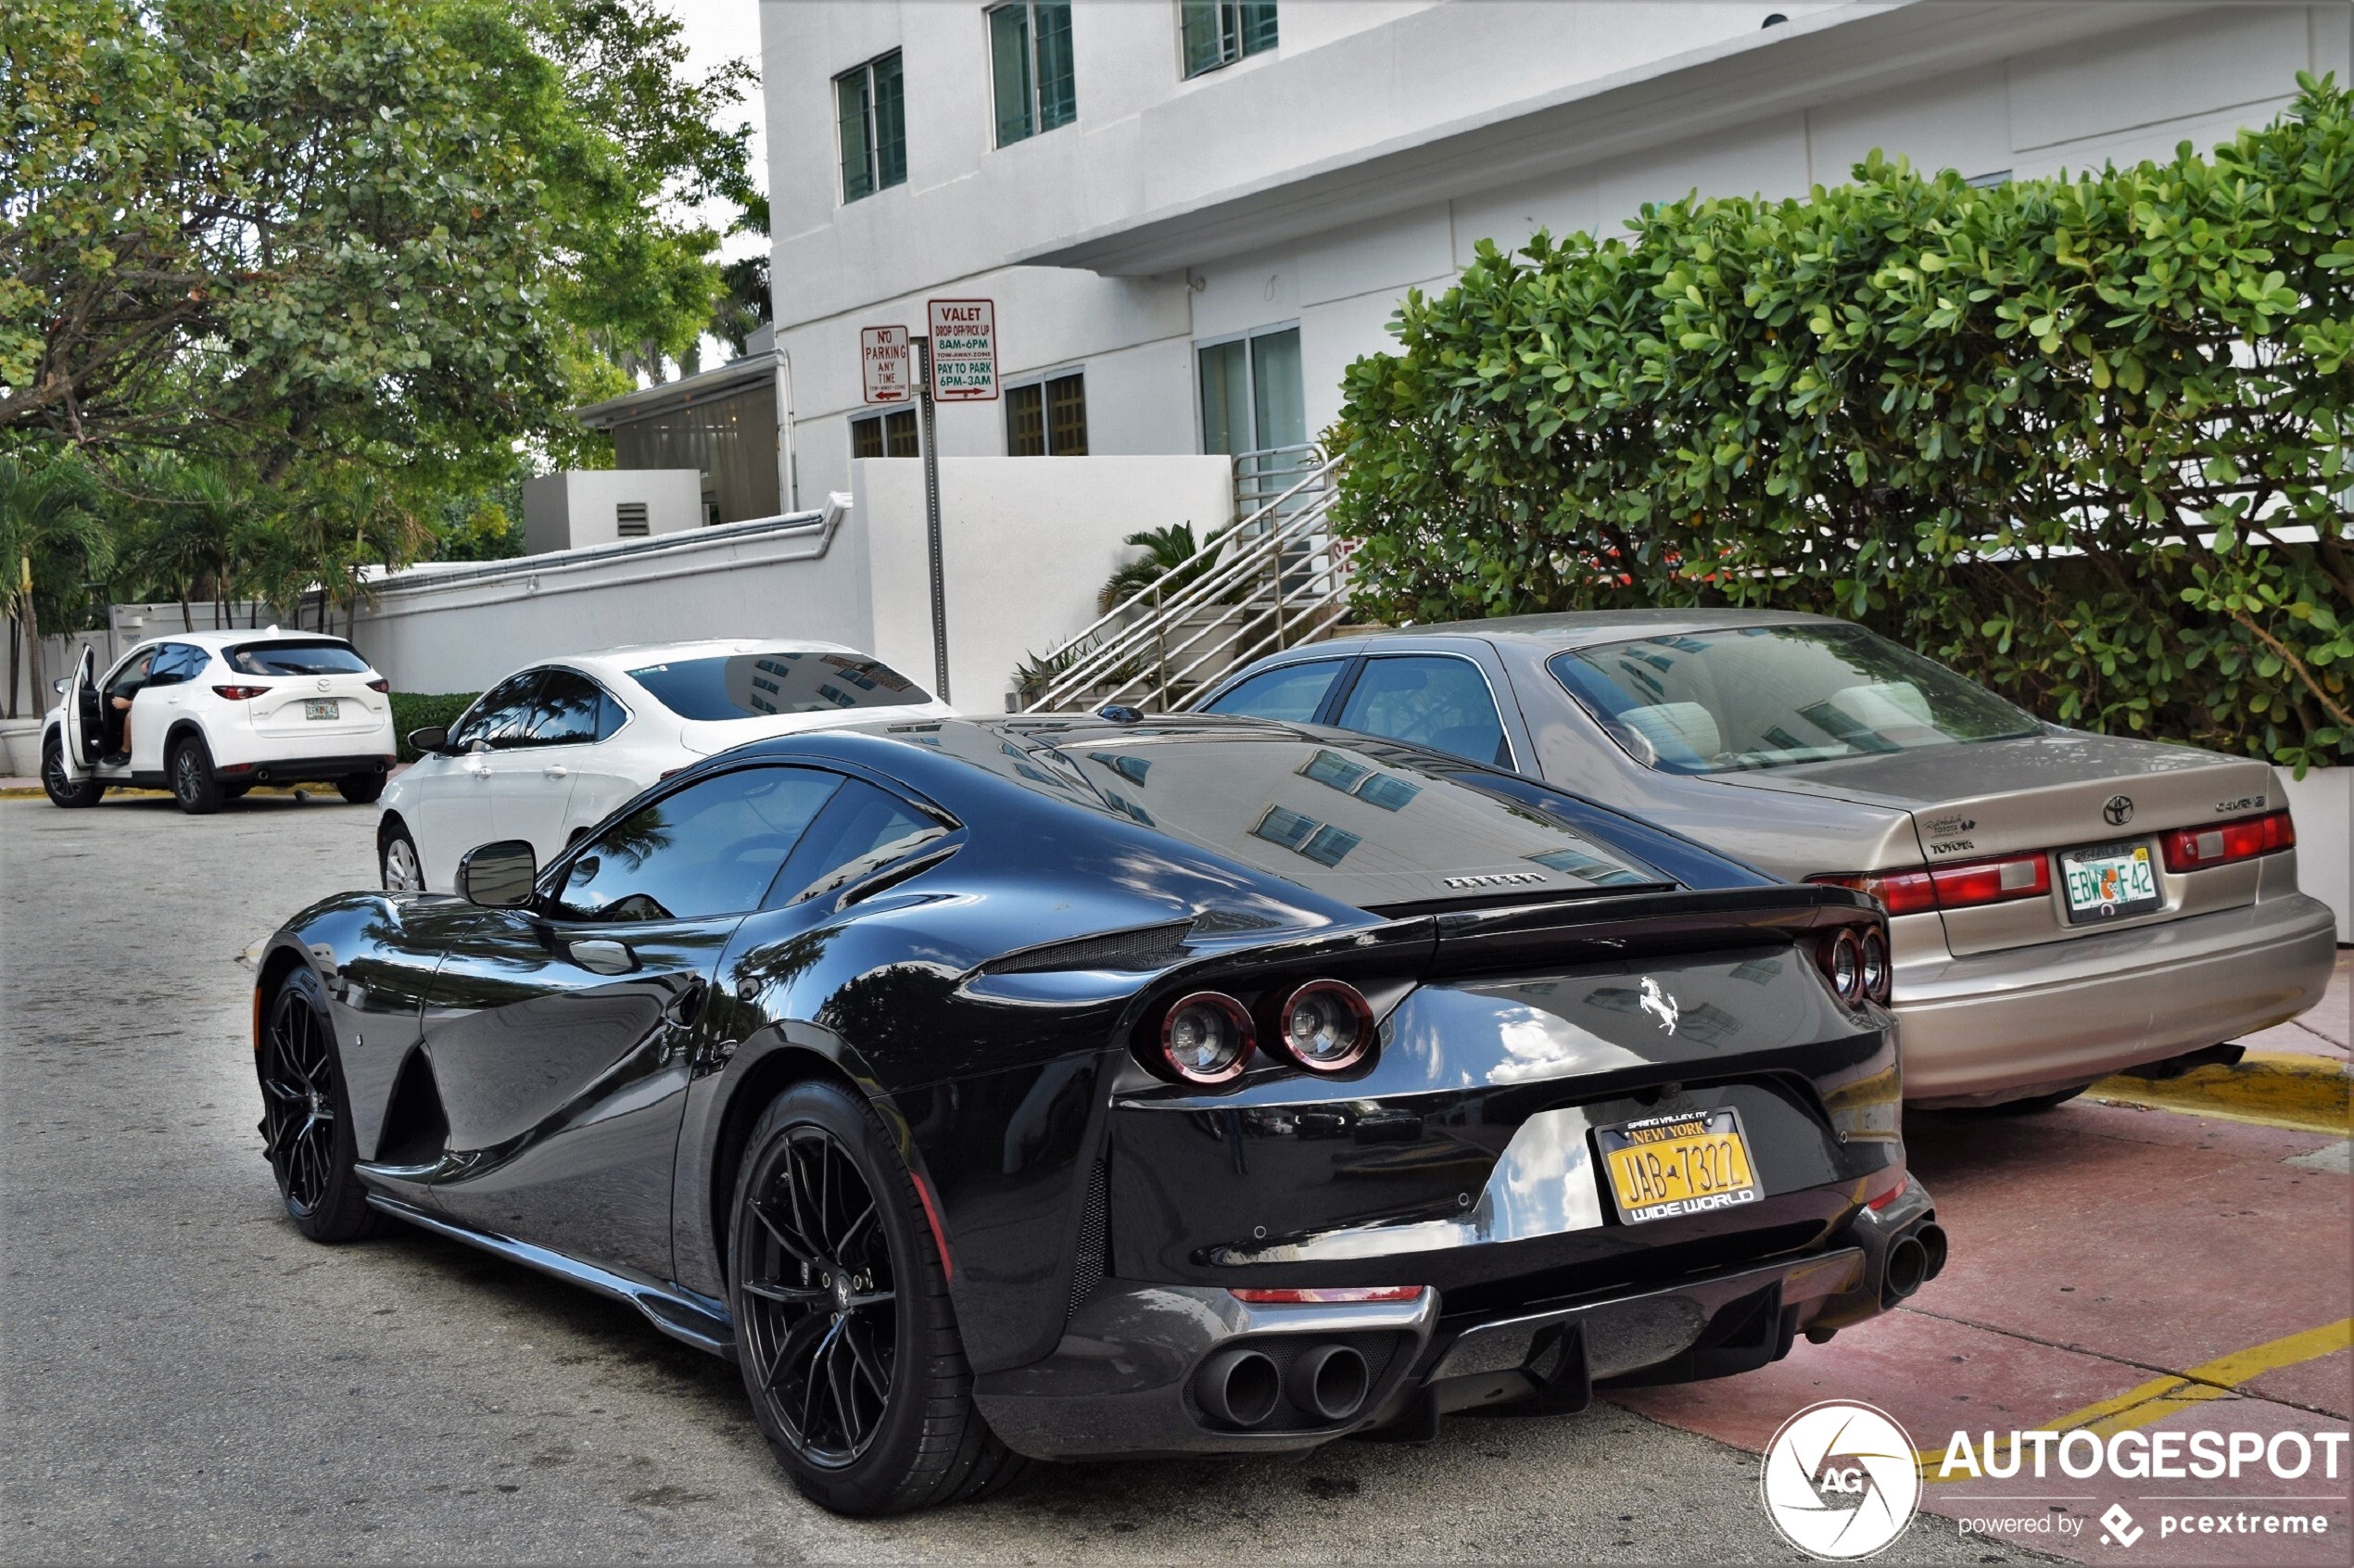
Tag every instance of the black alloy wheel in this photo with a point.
(193, 784)
(62, 791)
(845, 1335)
(306, 1116)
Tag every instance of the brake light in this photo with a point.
(1904, 1180)
(240, 693)
(1899, 892)
(1206, 1038)
(1949, 887)
(1329, 1294)
(1992, 881)
(380, 684)
(1326, 1026)
(2196, 849)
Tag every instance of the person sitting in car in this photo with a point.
(120, 695)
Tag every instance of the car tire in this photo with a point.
(360, 789)
(194, 784)
(398, 866)
(862, 1388)
(306, 1116)
(64, 791)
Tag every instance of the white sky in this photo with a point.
(717, 30)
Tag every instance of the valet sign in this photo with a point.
(963, 350)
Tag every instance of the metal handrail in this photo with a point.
(1236, 550)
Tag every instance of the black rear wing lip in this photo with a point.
(1588, 931)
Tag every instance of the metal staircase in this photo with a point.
(1271, 579)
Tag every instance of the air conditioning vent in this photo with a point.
(630, 518)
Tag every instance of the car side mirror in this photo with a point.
(500, 875)
(432, 737)
(60, 685)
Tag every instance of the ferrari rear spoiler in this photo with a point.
(1534, 936)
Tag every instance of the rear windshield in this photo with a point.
(316, 657)
(751, 685)
(1373, 826)
(1759, 697)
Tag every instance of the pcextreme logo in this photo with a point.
(1841, 1481)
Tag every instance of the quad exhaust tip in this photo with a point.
(1238, 1388)
(1329, 1382)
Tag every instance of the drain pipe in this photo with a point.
(787, 465)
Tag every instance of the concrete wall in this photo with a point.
(578, 507)
(2322, 803)
(460, 628)
(1027, 544)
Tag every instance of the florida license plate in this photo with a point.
(326, 710)
(2107, 881)
(1687, 1163)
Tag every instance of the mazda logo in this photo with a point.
(2118, 810)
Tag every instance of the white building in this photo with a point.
(1193, 215)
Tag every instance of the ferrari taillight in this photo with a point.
(1327, 1026)
(1206, 1038)
(2196, 849)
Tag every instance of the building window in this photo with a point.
(871, 113)
(1219, 32)
(891, 434)
(1029, 60)
(1252, 399)
(1047, 418)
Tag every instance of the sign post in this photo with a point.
(957, 363)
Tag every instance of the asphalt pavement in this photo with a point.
(184, 1378)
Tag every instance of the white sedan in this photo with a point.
(549, 752)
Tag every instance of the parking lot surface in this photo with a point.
(182, 1376)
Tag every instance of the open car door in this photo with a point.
(84, 732)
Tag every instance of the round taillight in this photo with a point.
(1877, 981)
(1206, 1038)
(1842, 960)
(1327, 1026)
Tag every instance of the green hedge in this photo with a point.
(414, 710)
(2084, 439)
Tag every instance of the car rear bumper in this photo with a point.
(302, 770)
(2005, 1025)
(1128, 1378)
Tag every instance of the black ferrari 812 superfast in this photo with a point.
(1058, 1088)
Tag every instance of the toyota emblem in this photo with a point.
(2118, 810)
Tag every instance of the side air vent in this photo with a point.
(629, 519)
(1087, 1269)
(416, 1130)
(1143, 950)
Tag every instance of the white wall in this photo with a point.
(576, 507)
(2323, 804)
(1026, 542)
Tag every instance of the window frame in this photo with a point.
(872, 125)
(1033, 112)
(1044, 381)
(530, 705)
(1243, 48)
(1250, 382)
(880, 419)
(605, 694)
(1336, 701)
(547, 891)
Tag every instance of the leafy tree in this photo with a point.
(279, 229)
(53, 539)
(2086, 438)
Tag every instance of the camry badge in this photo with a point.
(1660, 1005)
(2118, 810)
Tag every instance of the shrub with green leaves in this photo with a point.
(2086, 439)
(416, 710)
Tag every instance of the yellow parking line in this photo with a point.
(2270, 1088)
(2161, 1398)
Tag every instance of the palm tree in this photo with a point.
(53, 539)
(1165, 550)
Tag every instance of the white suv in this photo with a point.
(210, 714)
(547, 752)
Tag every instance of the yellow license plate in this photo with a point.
(1687, 1163)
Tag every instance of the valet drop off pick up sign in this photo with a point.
(963, 350)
